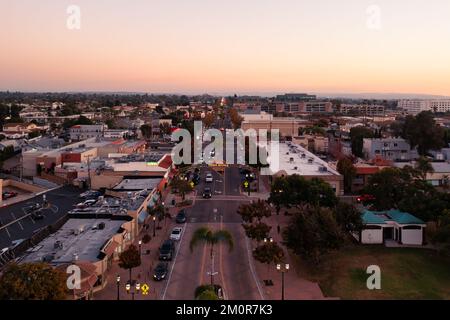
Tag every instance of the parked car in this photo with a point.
(175, 235)
(196, 179)
(161, 271)
(37, 215)
(8, 194)
(365, 198)
(181, 217)
(90, 195)
(86, 203)
(166, 250)
(209, 177)
(207, 193)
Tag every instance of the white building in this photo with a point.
(389, 149)
(415, 106)
(392, 225)
(82, 132)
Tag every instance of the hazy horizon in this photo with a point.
(253, 46)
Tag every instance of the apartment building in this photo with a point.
(389, 149)
(362, 109)
(415, 106)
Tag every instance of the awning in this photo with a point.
(142, 216)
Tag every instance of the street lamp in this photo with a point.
(140, 245)
(283, 269)
(268, 240)
(118, 287)
(137, 288)
(154, 226)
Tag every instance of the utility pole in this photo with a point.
(89, 170)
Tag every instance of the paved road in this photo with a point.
(191, 268)
(61, 201)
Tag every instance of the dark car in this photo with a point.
(196, 179)
(181, 217)
(207, 193)
(160, 271)
(9, 194)
(166, 250)
(88, 195)
(37, 215)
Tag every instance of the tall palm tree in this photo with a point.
(423, 165)
(211, 237)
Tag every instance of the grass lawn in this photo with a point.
(406, 273)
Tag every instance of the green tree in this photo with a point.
(182, 186)
(207, 295)
(258, 210)
(211, 238)
(32, 281)
(357, 135)
(130, 258)
(269, 253)
(313, 232)
(258, 231)
(423, 132)
(348, 217)
(146, 131)
(295, 191)
(347, 169)
(423, 165)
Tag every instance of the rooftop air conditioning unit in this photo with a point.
(58, 245)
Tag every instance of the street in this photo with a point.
(234, 272)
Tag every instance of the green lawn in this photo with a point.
(405, 273)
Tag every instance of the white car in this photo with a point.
(209, 177)
(176, 234)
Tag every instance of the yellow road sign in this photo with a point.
(145, 289)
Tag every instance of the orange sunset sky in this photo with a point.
(198, 46)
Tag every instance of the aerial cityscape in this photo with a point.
(241, 150)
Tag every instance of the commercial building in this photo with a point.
(289, 127)
(295, 97)
(392, 225)
(294, 159)
(389, 149)
(415, 106)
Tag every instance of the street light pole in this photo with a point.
(283, 269)
(154, 226)
(118, 287)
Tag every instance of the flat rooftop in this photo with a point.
(294, 159)
(77, 237)
(137, 184)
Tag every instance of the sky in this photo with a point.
(199, 46)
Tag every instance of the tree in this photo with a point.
(269, 253)
(165, 128)
(313, 232)
(130, 258)
(295, 191)
(423, 132)
(348, 217)
(235, 118)
(211, 238)
(423, 165)
(258, 210)
(258, 231)
(357, 135)
(183, 186)
(32, 281)
(209, 119)
(347, 169)
(146, 131)
(206, 292)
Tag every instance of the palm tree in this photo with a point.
(423, 165)
(211, 238)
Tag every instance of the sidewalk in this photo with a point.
(144, 273)
(296, 288)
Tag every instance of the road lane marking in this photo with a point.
(174, 262)
(252, 268)
(225, 290)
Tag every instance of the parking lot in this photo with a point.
(16, 224)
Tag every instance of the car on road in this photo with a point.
(8, 194)
(209, 177)
(196, 179)
(175, 235)
(85, 204)
(37, 215)
(207, 193)
(161, 271)
(212, 153)
(181, 217)
(90, 195)
(166, 250)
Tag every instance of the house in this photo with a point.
(84, 131)
(10, 143)
(389, 149)
(391, 225)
